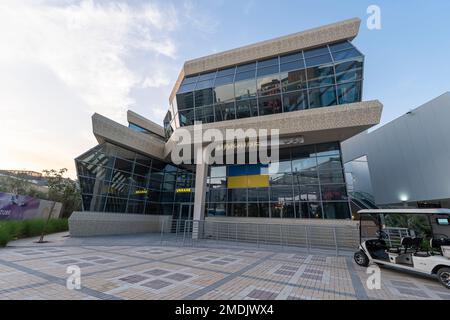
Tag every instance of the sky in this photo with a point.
(63, 60)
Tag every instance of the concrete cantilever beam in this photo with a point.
(111, 131)
(337, 123)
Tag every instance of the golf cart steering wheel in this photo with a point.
(382, 235)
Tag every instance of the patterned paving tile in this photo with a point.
(105, 261)
(134, 279)
(157, 284)
(405, 284)
(219, 263)
(178, 277)
(157, 272)
(262, 295)
(189, 273)
(284, 273)
(84, 264)
(415, 293)
(229, 259)
(290, 268)
(69, 261)
(92, 258)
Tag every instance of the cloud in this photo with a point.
(87, 44)
(62, 61)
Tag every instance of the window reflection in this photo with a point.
(329, 82)
(270, 105)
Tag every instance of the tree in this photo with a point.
(64, 190)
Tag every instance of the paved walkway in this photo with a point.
(120, 268)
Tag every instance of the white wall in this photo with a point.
(410, 156)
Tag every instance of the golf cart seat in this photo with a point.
(405, 244)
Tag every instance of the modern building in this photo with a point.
(307, 85)
(405, 162)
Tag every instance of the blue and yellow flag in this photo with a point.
(248, 176)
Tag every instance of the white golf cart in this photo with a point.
(406, 239)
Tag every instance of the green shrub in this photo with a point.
(11, 230)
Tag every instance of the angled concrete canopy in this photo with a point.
(319, 125)
(107, 130)
(145, 123)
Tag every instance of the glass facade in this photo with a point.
(308, 182)
(117, 180)
(321, 77)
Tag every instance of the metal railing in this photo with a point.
(395, 235)
(269, 235)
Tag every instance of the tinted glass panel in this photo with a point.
(187, 88)
(346, 54)
(246, 108)
(295, 101)
(322, 97)
(334, 192)
(349, 92)
(300, 64)
(268, 70)
(319, 60)
(336, 210)
(331, 177)
(349, 71)
(270, 105)
(225, 111)
(203, 97)
(316, 52)
(246, 67)
(185, 101)
(190, 79)
(328, 149)
(304, 164)
(308, 193)
(207, 76)
(245, 89)
(245, 75)
(340, 46)
(224, 80)
(268, 85)
(224, 93)
(291, 57)
(205, 114)
(269, 62)
(186, 117)
(294, 80)
(226, 72)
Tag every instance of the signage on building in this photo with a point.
(184, 190)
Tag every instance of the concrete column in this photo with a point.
(201, 176)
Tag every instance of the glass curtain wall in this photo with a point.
(321, 77)
(114, 179)
(308, 182)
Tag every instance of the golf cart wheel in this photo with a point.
(444, 277)
(361, 259)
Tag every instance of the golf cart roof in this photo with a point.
(405, 211)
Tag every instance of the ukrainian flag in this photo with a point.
(248, 176)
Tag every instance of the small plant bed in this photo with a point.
(13, 230)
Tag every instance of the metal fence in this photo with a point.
(276, 236)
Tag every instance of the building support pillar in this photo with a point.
(201, 175)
